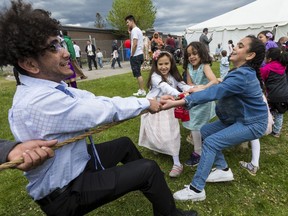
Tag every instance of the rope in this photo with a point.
(14, 163)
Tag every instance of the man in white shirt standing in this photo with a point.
(137, 57)
(78, 53)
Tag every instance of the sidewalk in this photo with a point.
(106, 71)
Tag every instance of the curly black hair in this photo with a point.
(24, 32)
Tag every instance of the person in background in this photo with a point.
(183, 42)
(146, 50)
(127, 45)
(282, 43)
(137, 57)
(70, 48)
(267, 38)
(242, 116)
(79, 177)
(217, 55)
(115, 56)
(77, 53)
(91, 55)
(230, 48)
(71, 80)
(177, 45)
(115, 52)
(275, 80)
(99, 56)
(224, 64)
(156, 42)
(204, 39)
(170, 44)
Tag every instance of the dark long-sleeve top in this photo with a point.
(5, 147)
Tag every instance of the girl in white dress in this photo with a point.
(160, 132)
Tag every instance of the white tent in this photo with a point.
(250, 19)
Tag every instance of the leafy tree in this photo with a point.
(143, 10)
(99, 22)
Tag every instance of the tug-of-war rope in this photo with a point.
(14, 163)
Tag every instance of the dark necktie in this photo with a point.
(92, 144)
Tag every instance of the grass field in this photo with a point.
(264, 194)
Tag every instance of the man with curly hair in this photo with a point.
(80, 177)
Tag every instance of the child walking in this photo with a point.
(160, 132)
(99, 56)
(201, 76)
(241, 111)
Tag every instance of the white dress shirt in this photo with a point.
(40, 111)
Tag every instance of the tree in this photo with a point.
(99, 22)
(143, 10)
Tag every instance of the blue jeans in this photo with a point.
(100, 62)
(278, 121)
(218, 136)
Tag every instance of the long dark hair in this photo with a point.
(173, 70)
(276, 54)
(258, 48)
(202, 52)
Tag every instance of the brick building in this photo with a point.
(101, 38)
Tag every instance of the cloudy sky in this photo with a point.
(173, 16)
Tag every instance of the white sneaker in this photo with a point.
(140, 93)
(218, 175)
(188, 194)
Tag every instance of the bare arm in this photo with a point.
(189, 79)
(210, 76)
(134, 46)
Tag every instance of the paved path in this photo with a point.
(95, 74)
(107, 71)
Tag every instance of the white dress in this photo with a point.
(160, 132)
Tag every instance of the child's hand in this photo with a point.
(168, 102)
(167, 97)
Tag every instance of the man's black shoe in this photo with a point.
(180, 212)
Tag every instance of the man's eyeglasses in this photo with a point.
(54, 46)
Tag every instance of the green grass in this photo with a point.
(265, 194)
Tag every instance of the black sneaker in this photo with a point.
(193, 160)
(180, 212)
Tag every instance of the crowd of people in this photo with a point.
(81, 176)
